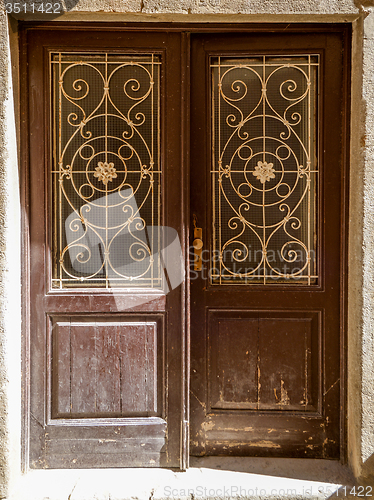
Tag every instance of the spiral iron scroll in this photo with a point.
(106, 177)
(264, 173)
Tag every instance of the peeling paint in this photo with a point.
(264, 444)
(284, 399)
(208, 425)
(239, 429)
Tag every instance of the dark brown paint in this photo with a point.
(266, 360)
(53, 436)
(92, 361)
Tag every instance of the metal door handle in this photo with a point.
(197, 245)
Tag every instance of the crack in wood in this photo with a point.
(331, 386)
(72, 491)
(203, 405)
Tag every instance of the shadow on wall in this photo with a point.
(47, 9)
(363, 3)
(367, 477)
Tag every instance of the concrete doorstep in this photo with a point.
(208, 478)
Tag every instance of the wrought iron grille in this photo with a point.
(106, 170)
(264, 171)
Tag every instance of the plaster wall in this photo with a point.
(361, 240)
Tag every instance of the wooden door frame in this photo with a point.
(186, 29)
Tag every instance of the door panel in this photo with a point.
(246, 375)
(107, 345)
(106, 368)
(267, 172)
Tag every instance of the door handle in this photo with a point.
(197, 245)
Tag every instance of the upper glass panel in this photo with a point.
(264, 170)
(106, 170)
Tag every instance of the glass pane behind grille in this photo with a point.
(264, 172)
(106, 172)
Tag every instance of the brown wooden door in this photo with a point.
(105, 354)
(267, 189)
(105, 343)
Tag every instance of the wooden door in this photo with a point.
(268, 202)
(105, 344)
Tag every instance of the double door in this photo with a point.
(185, 219)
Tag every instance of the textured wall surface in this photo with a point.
(4, 431)
(368, 249)
(250, 6)
(361, 230)
(10, 290)
(243, 7)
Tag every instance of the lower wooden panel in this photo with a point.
(264, 389)
(102, 443)
(105, 368)
(263, 361)
(233, 356)
(251, 435)
(105, 393)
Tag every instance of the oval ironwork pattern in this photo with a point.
(106, 173)
(264, 172)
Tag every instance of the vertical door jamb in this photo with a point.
(185, 150)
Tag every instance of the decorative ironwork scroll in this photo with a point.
(264, 172)
(106, 172)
